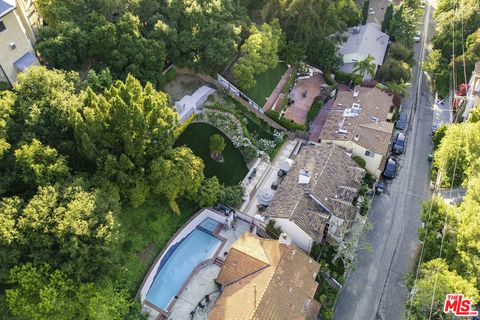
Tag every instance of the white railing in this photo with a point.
(230, 87)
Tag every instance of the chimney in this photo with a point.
(284, 239)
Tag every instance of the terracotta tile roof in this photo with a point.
(366, 126)
(334, 181)
(284, 289)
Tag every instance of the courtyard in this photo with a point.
(231, 171)
(303, 95)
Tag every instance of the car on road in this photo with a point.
(399, 143)
(402, 121)
(281, 173)
(417, 36)
(390, 168)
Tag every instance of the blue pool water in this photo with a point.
(208, 224)
(198, 246)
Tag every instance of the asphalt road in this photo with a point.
(375, 287)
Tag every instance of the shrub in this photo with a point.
(272, 230)
(286, 123)
(328, 80)
(366, 5)
(314, 109)
(394, 70)
(183, 126)
(399, 51)
(4, 85)
(171, 74)
(232, 196)
(360, 161)
(345, 78)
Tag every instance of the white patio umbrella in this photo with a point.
(285, 163)
(265, 196)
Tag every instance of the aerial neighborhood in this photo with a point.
(239, 160)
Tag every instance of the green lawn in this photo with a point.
(196, 136)
(144, 231)
(266, 83)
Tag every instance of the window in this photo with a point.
(369, 153)
(2, 26)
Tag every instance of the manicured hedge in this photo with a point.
(345, 78)
(360, 161)
(171, 74)
(314, 109)
(286, 123)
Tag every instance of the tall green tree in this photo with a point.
(40, 292)
(365, 66)
(217, 144)
(40, 165)
(7, 100)
(436, 273)
(72, 229)
(122, 131)
(180, 173)
(258, 54)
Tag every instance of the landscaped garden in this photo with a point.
(266, 83)
(231, 171)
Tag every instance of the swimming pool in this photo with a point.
(197, 247)
(208, 224)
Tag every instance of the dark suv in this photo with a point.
(390, 168)
(223, 208)
(399, 143)
(402, 121)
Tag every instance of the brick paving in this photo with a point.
(298, 110)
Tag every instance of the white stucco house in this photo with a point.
(16, 41)
(358, 122)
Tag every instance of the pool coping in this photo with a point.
(164, 313)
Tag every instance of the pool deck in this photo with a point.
(202, 282)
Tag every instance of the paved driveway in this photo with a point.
(375, 289)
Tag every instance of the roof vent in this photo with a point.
(356, 92)
(342, 131)
(356, 137)
(303, 176)
(12, 45)
(375, 119)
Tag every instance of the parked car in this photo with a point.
(274, 185)
(399, 143)
(390, 168)
(402, 121)
(262, 207)
(223, 208)
(281, 173)
(417, 36)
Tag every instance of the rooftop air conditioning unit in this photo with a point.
(12, 45)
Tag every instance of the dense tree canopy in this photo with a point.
(72, 229)
(258, 54)
(447, 281)
(42, 293)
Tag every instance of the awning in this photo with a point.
(25, 61)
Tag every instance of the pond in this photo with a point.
(230, 172)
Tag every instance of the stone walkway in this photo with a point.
(278, 89)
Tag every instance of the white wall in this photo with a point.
(15, 32)
(372, 164)
(182, 234)
(299, 237)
